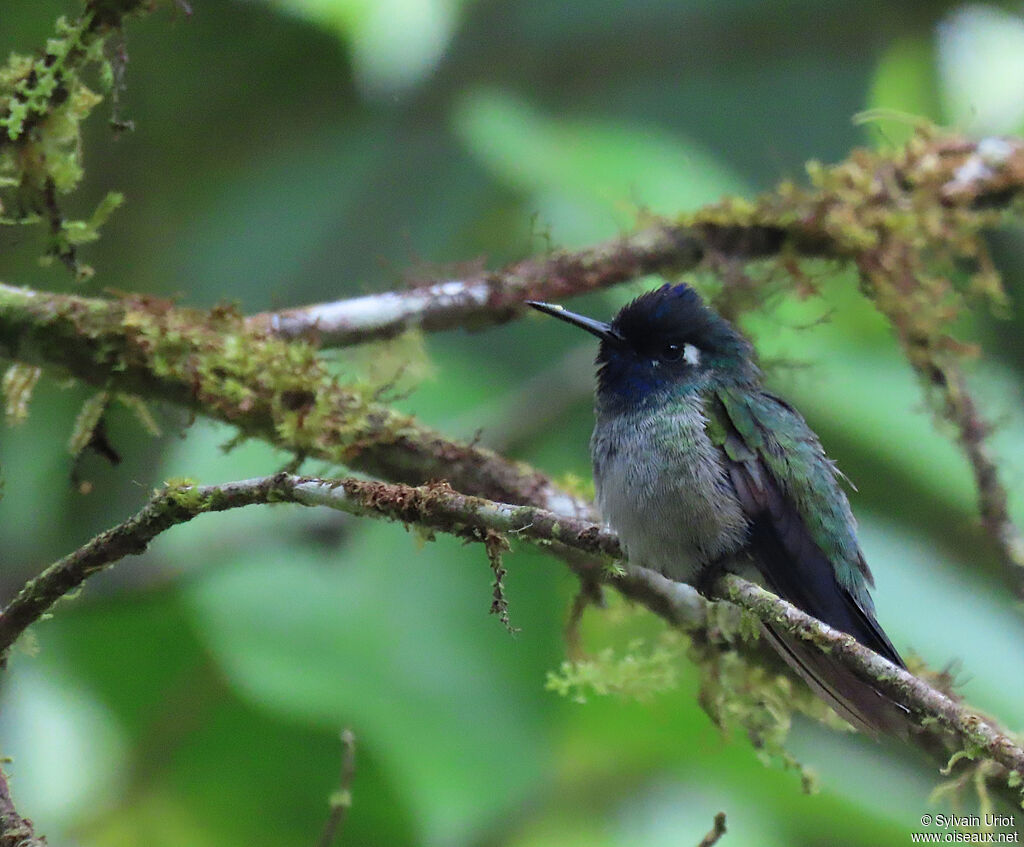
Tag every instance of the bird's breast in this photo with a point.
(662, 486)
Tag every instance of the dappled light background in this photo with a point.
(295, 151)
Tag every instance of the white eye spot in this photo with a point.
(691, 355)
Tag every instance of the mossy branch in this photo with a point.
(945, 725)
(269, 388)
(587, 547)
(939, 192)
(975, 733)
(494, 297)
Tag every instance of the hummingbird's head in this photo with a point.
(665, 342)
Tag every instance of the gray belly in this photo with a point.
(662, 487)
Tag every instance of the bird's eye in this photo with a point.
(671, 353)
(674, 352)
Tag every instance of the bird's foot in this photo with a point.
(708, 576)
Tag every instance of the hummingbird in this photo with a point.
(699, 469)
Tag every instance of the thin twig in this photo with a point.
(341, 800)
(716, 832)
(589, 593)
(15, 831)
(436, 506)
(490, 297)
(993, 498)
(913, 311)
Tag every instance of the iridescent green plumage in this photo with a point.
(803, 534)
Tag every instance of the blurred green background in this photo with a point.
(303, 150)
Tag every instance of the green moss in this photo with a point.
(970, 783)
(742, 696)
(238, 374)
(612, 571)
(43, 103)
(209, 361)
(180, 482)
(18, 383)
(88, 419)
(641, 672)
(894, 216)
(187, 495)
(142, 414)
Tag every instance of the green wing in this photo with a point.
(803, 535)
(802, 539)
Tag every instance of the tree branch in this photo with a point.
(993, 499)
(715, 833)
(268, 388)
(587, 548)
(341, 800)
(15, 831)
(948, 173)
(976, 733)
(493, 297)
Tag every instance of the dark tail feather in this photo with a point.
(794, 567)
(856, 701)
